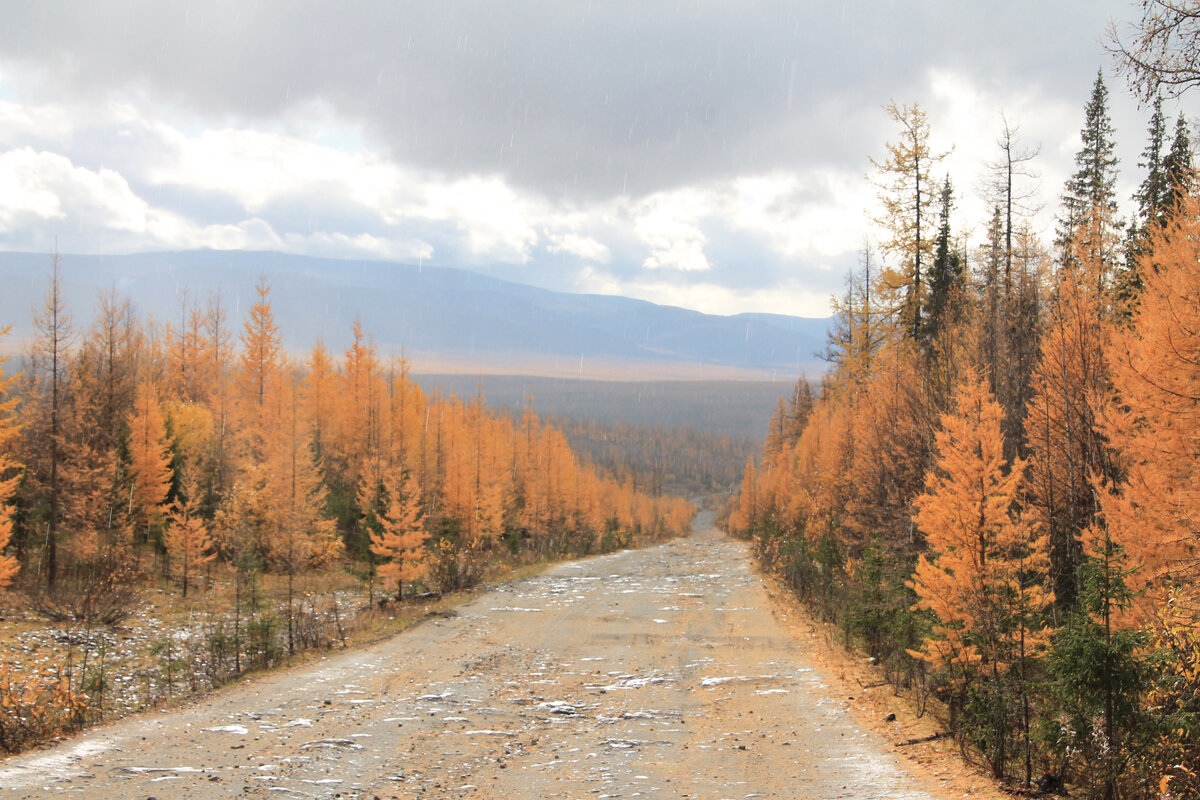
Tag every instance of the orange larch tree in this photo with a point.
(9, 471)
(49, 368)
(407, 414)
(491, 474)
(1152, 417)
(259, 375)
(149, 457)
(96, 536)
(220, 466)
(106, 368)
(320, 394)
(982, 577)
(187, 354)
(360, 409)
(302, 535)
(187, 539)
(401, 537)
(1069, 384)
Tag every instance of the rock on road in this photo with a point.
(654, 673)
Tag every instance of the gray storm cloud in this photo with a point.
(581, 100)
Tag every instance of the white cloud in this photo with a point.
(37, 186)
(27, 123)
(791, 297)
(23, 186)
(339, 245)
(497, 222)
(585, 247)
(813, 216)
(257, 168)
(48, 186)
(669, 224)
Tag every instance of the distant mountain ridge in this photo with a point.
(445, 318)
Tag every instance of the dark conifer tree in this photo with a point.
(946, 271)
(1179, 168)
(1088, 228)
(1151, 196)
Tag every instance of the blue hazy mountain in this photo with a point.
(441, 317)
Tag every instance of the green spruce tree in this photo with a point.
(946, 271)
(1089, 230)
(1179, 168)
(1151, 198)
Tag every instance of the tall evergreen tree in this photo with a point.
(1151, 197)
(1152, 194)
(946, 271)
(1178, 166)
(1088, 229)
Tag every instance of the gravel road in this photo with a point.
(659, 673)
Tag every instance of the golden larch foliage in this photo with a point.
(1152, 417)
(320, 393)
(360, 410)
(1060, 426)
(302, 534)
(401, 539)
(984, 557)
(407, 414)
(188, 540)
(259, 375)
(149, 456)
(9, 471)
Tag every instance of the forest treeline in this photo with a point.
(673, 461)
(995, 490)
(737, 408)
(139, 452)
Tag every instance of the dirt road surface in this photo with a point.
(660, 673)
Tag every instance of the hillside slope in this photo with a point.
(445, 319)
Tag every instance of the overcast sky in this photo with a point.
(712, 155)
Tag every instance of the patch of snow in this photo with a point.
(330, 743)
(740, 678)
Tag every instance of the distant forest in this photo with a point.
(688, 438)
(668, 461)
(737, 408)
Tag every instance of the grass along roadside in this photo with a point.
(57, 678)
